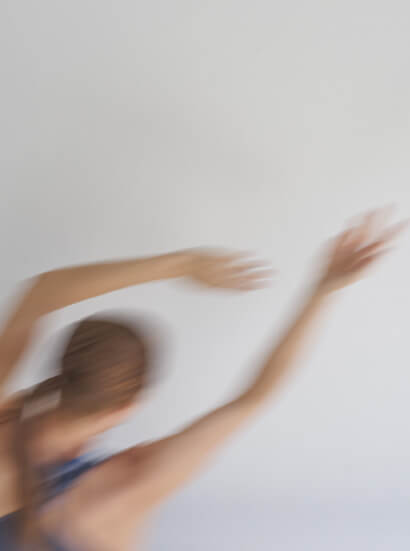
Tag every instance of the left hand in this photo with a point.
(228, 271)
(357, 249)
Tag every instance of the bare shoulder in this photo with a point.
(112, 476)
(98, 509)
(110, 489)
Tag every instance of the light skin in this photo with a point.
(126, 488)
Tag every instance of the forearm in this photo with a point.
(286, 353)
(60, 288)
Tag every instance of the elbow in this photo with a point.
(36, 301)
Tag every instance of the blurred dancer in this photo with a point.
(54, 497)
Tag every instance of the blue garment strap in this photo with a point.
(58, 478)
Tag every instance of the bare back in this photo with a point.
(99, 511)
(108, 508)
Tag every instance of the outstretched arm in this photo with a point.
(172, 461)
(60, 288)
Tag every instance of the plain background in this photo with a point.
(138, 127)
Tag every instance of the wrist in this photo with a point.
(179, 264)
(323, 290)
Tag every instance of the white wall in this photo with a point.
(131, 128)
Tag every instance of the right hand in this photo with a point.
(228, 271)
(355, 250)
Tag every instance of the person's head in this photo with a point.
(103, 369)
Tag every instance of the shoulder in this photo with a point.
(117, 474)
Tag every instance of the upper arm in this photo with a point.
(17, 332)
(171, 462)
(13, 343)
(15, 336)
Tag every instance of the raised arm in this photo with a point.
(172, 461)
(60, 288)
